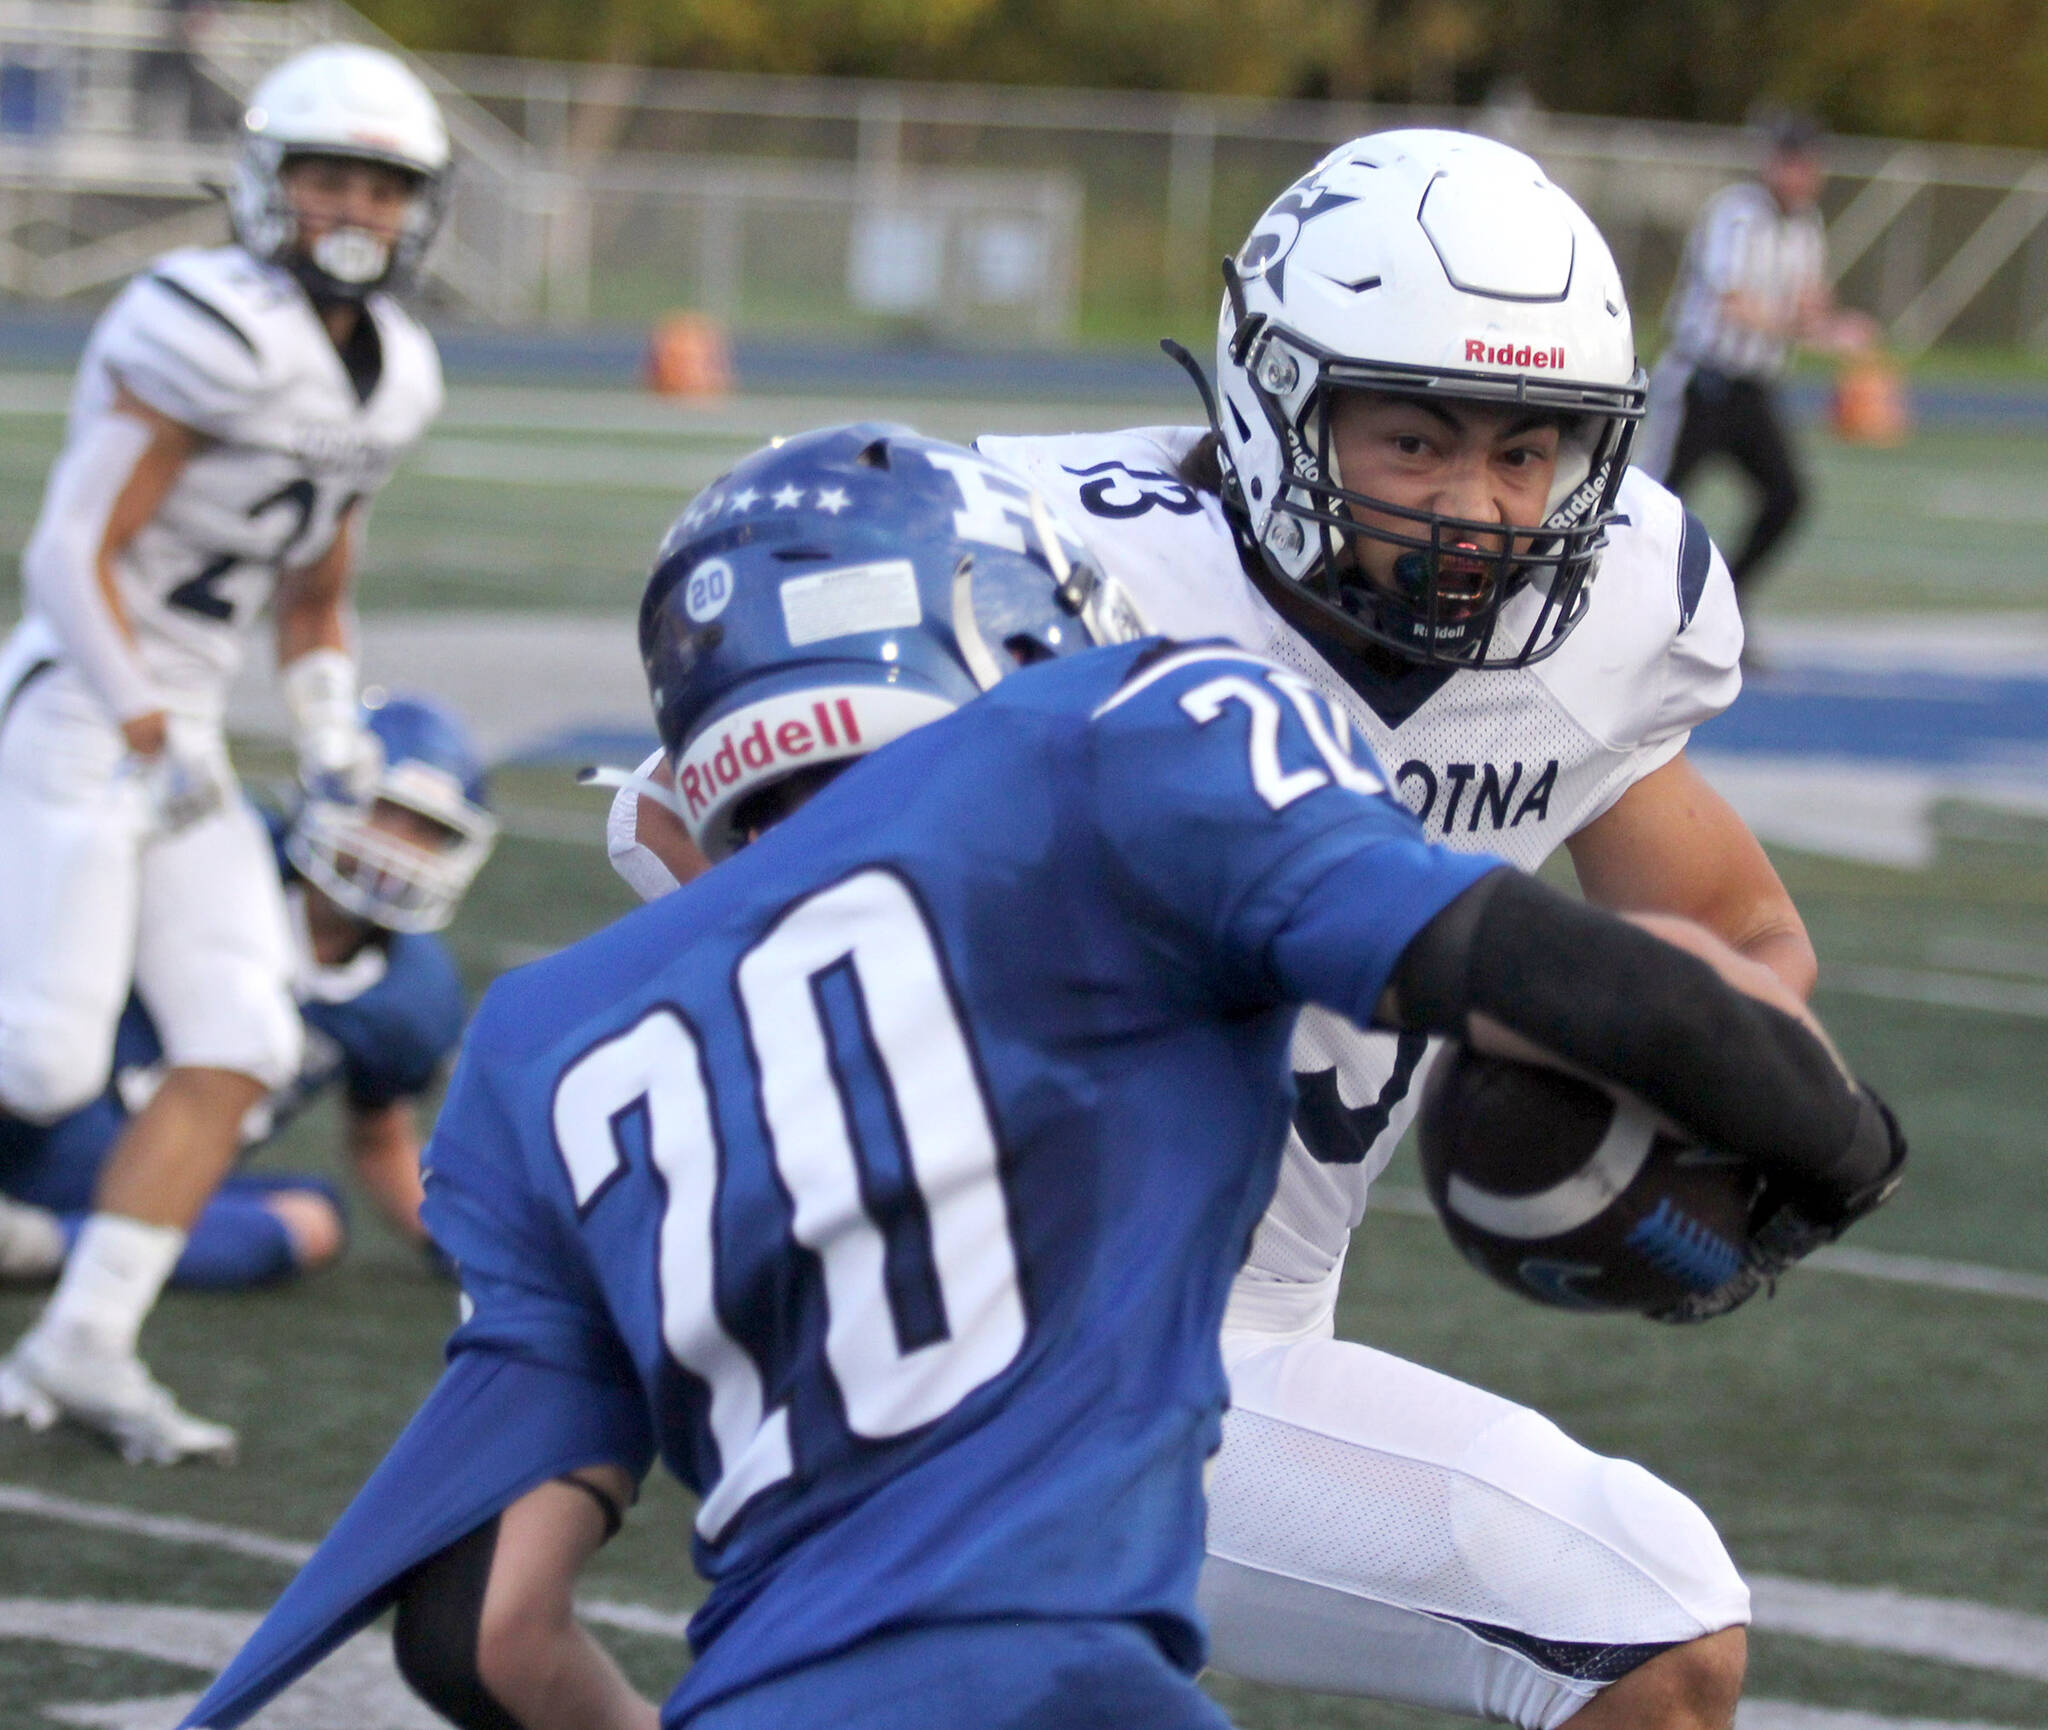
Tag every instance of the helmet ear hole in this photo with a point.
(1027, 651)
(874, 456)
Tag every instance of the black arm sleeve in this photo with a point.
(1624, 1005)
(440, 1608)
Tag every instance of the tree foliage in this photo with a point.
(1973, 70)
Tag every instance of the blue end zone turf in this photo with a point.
(1899, 717)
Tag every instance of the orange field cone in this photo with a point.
(1870, 401)
(688, 355)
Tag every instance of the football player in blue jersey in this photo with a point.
(889, 1180)
(366, 887)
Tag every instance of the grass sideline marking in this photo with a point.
(607, 468)
(1947, 1630)
(1944, 1630)
(165, 1528)
(1786, 1715)
(1878, 1264)
(1943, 990)
(358, 1688)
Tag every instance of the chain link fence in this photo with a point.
(985, 213)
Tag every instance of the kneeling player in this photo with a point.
(891, 1179)
(365, 888)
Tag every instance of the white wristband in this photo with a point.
(319, 689)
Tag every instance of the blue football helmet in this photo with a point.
(835, 591)
(405, 858)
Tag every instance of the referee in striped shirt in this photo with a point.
(1753, 282)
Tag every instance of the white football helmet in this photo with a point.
(1441, 265)
(340, 100)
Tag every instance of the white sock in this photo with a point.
(31, 1241)
(111, 1281)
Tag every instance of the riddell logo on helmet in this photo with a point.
(1507, 354)
(754, 750)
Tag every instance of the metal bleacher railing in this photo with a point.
(117, 118)
(611, 193)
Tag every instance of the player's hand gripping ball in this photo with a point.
(1580, 1199)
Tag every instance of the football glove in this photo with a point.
(339, 758)
(1791, 1219)
(181, 784)
(340, 765)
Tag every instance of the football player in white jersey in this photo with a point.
(1424, 349)
(234, 412)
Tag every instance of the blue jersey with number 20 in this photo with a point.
(905, 1160)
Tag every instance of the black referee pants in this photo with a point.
(1740, 418)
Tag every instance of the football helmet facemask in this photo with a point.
(356, 103)
(838, 590)
(1444, 267)
(408, 873)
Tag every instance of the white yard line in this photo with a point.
(635, 1618)
(1946, 1630)
(750, 418)
(1887, 1265)
(358, 1688)
(1927, 1270)
(674, 470)
(164, 1528)
(1974, 645)
(1945, 990)
(354, 1688)
(1967, 499)
(1785, 1715)
(34, 394)
(540, 823)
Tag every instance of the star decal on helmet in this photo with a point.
(1265, 253)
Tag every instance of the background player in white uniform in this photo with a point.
(1426, 344)
(234, 411)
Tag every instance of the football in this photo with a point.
(1574, 1196)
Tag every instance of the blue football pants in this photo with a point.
(236, 1241)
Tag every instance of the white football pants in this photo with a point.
(1378, 1529)
(92, 900)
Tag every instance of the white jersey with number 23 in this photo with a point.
(1508, 762)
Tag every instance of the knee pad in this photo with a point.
(241, 1019)
(47, 1071)
(440, 1609)
(213, 951)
